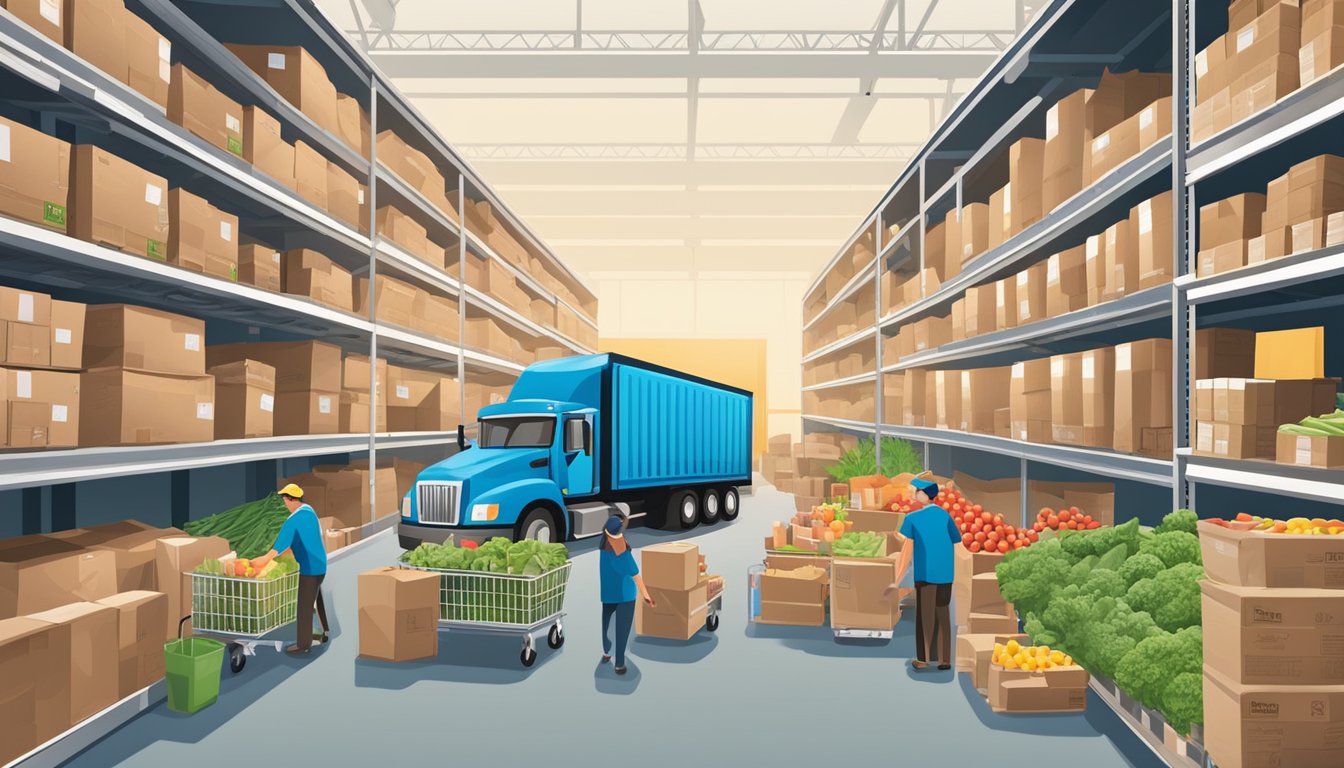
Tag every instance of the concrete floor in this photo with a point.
(776, 696)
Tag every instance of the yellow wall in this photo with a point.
(736, 362)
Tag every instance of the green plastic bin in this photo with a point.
(192, 667)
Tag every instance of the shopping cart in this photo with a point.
(504, 604)
(241, 612)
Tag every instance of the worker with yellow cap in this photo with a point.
(302, 534)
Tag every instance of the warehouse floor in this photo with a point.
(776, 696)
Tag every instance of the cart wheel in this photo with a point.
(528, 657)
(712, 622)
(556, 637)
(237, 659)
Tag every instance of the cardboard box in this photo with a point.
(1236, 441)
(259, 265)
(1221, 352)
(1005, 295)
(34, 175)
(947, 399)
(1253, 559)
(343, 492)
(979, 594)
(296, 76)
(676, 614)
(244, 400)
(46, 18)
(197, 106)
(117, 204)
(1054, 690)
(174, 558)
(120, 406)
(95, 32)
(35, 665)
(998, 219)
(974, 231)
(94, 655)
(1212, 72)
(1030, 406)
(1120, 95)
(1298, 353)
(1275, 31)
(1066, 137)
(991, 623)
(67, 335)
(791, 614)
(981, 310)
(148, 59)
(308, 273)
(803, 585)
(1030, 294)
(1242, 401)
(26, 344)
(357, 376)
(1155, 123)
(1304, 451)
(1150, 223)
(1066, 398)
(132, 544)
(1315, 188)
(142, 616)
(21, 306)
(1262, 84)
(1143, 386)
(1094, 269)
(202, 238)
(353, 122)
(265, 148)
(143, 339)
(437, 316)
(310, 174)
(671, 566)
(38, 573)
(1231, 220)
(1319, 16)
(857, 594)
(983, 391)
(1264, 726)
(406, 232)
(1066, 282)
(1023, 200)
(56, 392)
(342, 195)
(395, 300)
(1121, 260)
(1262, 636)
(1320, 54)
(300, 366)
(398, 614)
(1111, 148)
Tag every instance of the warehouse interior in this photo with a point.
(967, 365)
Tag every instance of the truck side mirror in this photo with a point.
(461, 437)
(587, 438)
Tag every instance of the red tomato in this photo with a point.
(976, 508)
(1019, 544)
(1036, 527)
(988, 518)
(1052, 522)
(975, 546)
(1004, 547)
(964, 527)
(1033, 536)
(993, 536)
(1074, 511)
(966, 538)
(1010, 538)
(980, 536)
(1065, 516)
(1094, 524)
(1087, 519)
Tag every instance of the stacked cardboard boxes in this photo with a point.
(116, 204)
(297, 77)
(260, 265)
(1272, 681)
(795, 596)
(307, 381)
(1239, 417)
(854, 401)
(309, 274)
(396, 225)
(244, 400)
(1225, 229)
(34, 177)
(680, 592)
(1082, 386)
(1030, 401)
(419, 171)
(1261, 59)
(356, 395)
(202, 238)
(1304, 210)
(197, 106)
(1143, 387)
(342, 492)
(858, 593)
(264, 148)
(423, 401)
(1113, 112)
(398, 614)
(777, 461)
(1061, 689)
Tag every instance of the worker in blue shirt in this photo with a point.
(302, 534)
(930, 538)
(621, 585)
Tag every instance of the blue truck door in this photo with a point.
(578, 448)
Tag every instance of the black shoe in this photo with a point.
(944, 667)
(322, 638)
(620, 670)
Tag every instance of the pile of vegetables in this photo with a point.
(241, 568)
(466, 596)
(1071, 519)
(898, 457)
(498, 555)
(1300, 526)
(823, 518)
(250, 528)
(1014, 655)
(860, 544)
(1124, 602)
(245, 601)
(981, 530)
(1326, 425)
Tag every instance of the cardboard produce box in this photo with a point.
(94, 655)
(1304, 451)
(978, 595)
(308, 273)
(35, 665)
(203, 238)
(265, 148)
(857, 594)
(259, 265)
(671, 566)
(1253, 559)
(142, 616)
(974, 652)
(1223, 352)
(296, 76)
(174, 560)
(876, 520)
(969, 565)
(35, 176)
(1258, 636)
(1051, 690)
(807, 584)
(993, 623)
(53, 391)
(1265, 726)
(197, 106)
(244, 400)
(676, 614)
(117, 204)
(792, 614)
(120, 406)
(398, 614)
(1143, 385)
(132, 545)
(39, 573)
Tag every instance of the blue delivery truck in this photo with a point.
(580, 439)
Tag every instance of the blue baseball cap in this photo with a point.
(614, 525)
(929, 488)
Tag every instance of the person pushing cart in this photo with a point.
(302, 534)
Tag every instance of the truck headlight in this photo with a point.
(406, 505)
(484, 513)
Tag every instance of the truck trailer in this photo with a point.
(581, 439)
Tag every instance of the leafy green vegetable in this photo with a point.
(1179, 520)
(1141, 566)
(898, 457)
(1174, 548)
(859, 544)
(250, 528)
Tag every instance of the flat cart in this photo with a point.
(244, 614)
(504, 604)
(713, 608)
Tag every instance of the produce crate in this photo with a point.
(500, 599)
(242, 606)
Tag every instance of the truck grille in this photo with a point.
(438, 502)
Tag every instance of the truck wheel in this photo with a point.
(711, 506)
(731, 502)
(683, 507)
(538, 524)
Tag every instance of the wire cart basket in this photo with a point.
(504, 603)
(241, 611)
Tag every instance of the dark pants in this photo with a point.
(933, 622)
(310, 592)
(625, 618)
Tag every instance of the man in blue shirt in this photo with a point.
(302, 534)
(930, 539)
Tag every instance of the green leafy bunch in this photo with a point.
(898, 457)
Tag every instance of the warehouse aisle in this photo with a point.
(778, 696)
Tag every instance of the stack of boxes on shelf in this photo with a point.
(853, 401)
(804, 473)
(777, 462)
(679, 582)
(855, 312)
(42, 350)
(1246, 385)
(1273, 671)
(854, 360)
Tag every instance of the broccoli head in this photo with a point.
(1141, 566)
(1173, 548)
(1180, 520)
(1138, 625)
(1102, 582)
(1145, 671)
(1183, 702)
(1036, 630)
(1031, 576)
(1171, 597)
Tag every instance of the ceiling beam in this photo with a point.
(580, 202)
(693, 227)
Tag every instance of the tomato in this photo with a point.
(988, 518)
(964, 527)
(1036, 527)
(1093, 525)
(1012, 537)
(966, 538)
(1052, 521)
(1075, 511)
(1087, 519)
(1065, 516)
(1004, 547)
(980, 537)
(993, 536)
(1033, 537)
(1045, 512)
(1019, 544)
(976, 508)
(975, 546)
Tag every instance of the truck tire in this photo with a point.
(711, 506)
(538, 524)
(683, 509)
(732, 501)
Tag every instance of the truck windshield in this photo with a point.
(517, 432)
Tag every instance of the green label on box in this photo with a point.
(54, 214)
(233, 272)
(236, 145)
(154, 250)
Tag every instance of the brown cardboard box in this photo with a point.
(1262, 636)
(308, 273)
(1304, 451)
(1066, 398)
(983, 391)
(26, 344)
(125, 336)
(974, 231)
(174, 557)
(1094, 269)
(1320, 53)
(38, 573)
(311, 412)
(27, 424)
(120, 406)
(1306, 236)
(35, 665)
(1066, 139)
(34, 176)
(353, 414)
(974, 652)
(1066, 282)
(913, 396)
(300, 366)
(857, 594)
(1230, 220)
(1253, 559)
(132, 544)
(356, 375)
(1120, 95)
(676, 614)
(1222, 258)
(202, 237)
(45, 17)
(1264, 726)
(1155, 123)
(1030, 401)
(296, 76)
(1142, 391)
(991, 623)
(342, 195)
(1005, 296)
(194, 104)
(264, 147)
(935, 249)
(1275, 31)
(1212, 72)
(1022, 198)
(67, 335)
(344, 492)
(1221, 352)
(947, 399)
(404, 471)
(803, 585)
(406, 232)
(792, 614)
(310, 174)
(1030, 294)
(1150, 223)
(1319, 16)
(1211, 115)
(1017, 691)
(1098, 378)
(1262, 84)
(259, 266)
(671, 566)
(142, 616)
(148, 59)
(1202, 397)
(979, 594)
(1234, 441)
(116, 204)
(1110, 149)
(1315, 188)
(353, 123)
(980, 310)
(1276, 215)
(57, 391)
(1242, 401)
(395, 300)
(399, 614)
(244, 400)
(435, 315)
(94, 32)
(94, 655)
(998, 219)
(25, 306)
